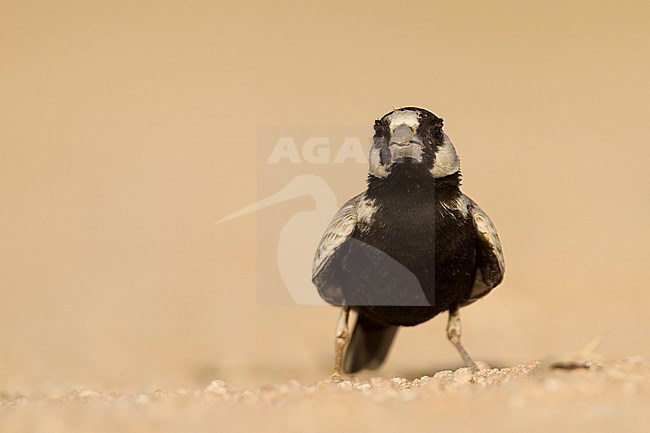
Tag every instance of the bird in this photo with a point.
(411, 246)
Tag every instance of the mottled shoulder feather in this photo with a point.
(491, 263)
(338, 231)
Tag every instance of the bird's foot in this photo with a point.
(473, 366)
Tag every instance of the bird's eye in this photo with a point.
(435, 129)
(381, 135)
(381, 131)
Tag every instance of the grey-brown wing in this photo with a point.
(490, 261)
(324, 271)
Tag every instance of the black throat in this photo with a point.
(413, 181)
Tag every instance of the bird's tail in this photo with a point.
(369, 344)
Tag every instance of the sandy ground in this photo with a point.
(597, 396)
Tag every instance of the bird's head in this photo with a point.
(412, 137)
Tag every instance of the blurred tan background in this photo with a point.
(127, 130)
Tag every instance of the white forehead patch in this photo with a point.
(405, 117)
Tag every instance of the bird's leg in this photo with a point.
(342, 338)
(453, 334)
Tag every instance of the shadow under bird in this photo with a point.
(408, 248)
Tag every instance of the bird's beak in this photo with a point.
(405, 144)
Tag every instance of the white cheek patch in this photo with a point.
(446, 160)
(377, 169)
(406, 117)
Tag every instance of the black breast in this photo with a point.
(414, 257)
